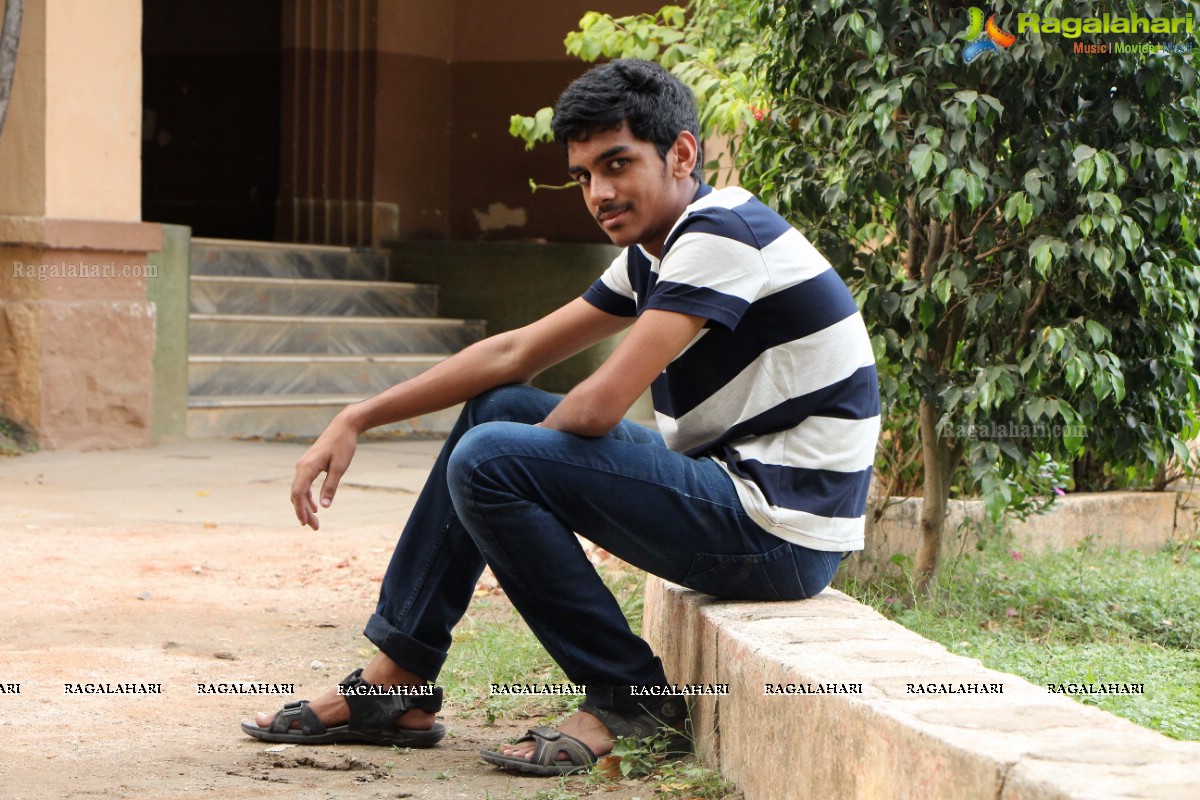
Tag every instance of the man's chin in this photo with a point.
(621, 237)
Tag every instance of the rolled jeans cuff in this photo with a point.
(407, 653)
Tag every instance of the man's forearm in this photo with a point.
(470, 372)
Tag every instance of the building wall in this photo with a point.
(449, 77)
(93, 124)
(76, 329)
(23, 140)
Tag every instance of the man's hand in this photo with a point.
(331, 454)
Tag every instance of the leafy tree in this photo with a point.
(1020, 230)
(1023, 229)
(711, 50)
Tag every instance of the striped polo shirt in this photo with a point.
(779, 387)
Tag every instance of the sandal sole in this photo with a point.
(523, 765)
(340, 735)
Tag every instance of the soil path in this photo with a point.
(181, 565)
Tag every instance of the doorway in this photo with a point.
(211, 115)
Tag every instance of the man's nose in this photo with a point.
(600, 190)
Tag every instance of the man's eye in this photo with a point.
(618, 163)
(583, 179)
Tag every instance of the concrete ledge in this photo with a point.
(82, 234)
(1131, 520)
(1023, 743)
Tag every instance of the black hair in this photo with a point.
(653, 102)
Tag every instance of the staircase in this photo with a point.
(282, 337)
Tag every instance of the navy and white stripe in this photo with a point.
(780, 386)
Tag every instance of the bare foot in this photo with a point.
(583, 726)
(332, 710)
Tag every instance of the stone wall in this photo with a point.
(876, 712)
(1139, 520)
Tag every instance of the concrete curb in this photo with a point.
(887, 741)
(1143, 521)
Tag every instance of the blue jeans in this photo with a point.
(511, 495)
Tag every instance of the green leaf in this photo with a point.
(1018, 207)
(1096, 332)
(955, 181)
(1084, 173)
(1033, 181)
(874, 40)
(1056, 338)
(975, 191)
(1039, 251)
(1176, 127)
(1101, 162)
(920, 158)
(1121, 112)
(1075, 373)
(1072, 438)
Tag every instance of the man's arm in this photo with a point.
(597, 404)
(510, 357)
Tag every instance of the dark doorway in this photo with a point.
(211, 103)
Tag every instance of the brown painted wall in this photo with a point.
(449, 77)
(412, 143)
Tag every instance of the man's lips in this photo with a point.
(610, 217)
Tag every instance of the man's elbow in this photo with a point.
(596, 425)
(586, 412)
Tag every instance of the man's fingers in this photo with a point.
(304, 507)
(329, 487)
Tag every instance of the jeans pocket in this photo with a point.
(741, 577)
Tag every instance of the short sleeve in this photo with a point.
(707, 274)
(612, 292)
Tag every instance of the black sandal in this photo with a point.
(624, 717)
(373, 713)
(661, 716)
(545, 759)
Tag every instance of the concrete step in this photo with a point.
(215, 334)
(270, 260)
(302, 374)
(292, 415)
(217, 294)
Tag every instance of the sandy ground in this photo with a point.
(181, 564)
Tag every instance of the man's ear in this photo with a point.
(687, 150)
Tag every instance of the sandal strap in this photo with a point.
(375, 714)
(310, 723)
(550, 742)
(642, 717)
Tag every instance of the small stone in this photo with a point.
(144, 596)
(279, 748)
(225, 655)
(197, 569)
(316, 665)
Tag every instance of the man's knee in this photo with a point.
(486, 443)
(512, 403)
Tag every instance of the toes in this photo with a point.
(263, 720)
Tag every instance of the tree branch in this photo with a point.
(1002, 247)
(1027, 318)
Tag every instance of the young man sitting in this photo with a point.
(766, 397)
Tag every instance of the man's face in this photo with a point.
(634, 195)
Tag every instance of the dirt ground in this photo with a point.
(181, 565)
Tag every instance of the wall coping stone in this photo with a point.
(82, 234)
(1023, 743)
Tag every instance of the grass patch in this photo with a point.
(15, 440)
(493, 644)
(1083, 615)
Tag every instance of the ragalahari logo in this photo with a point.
(984, 37)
